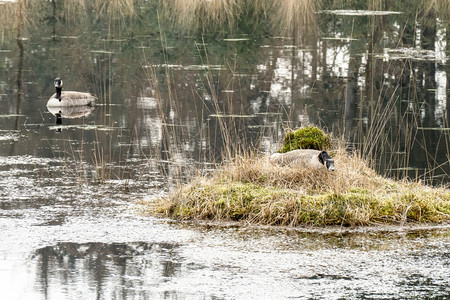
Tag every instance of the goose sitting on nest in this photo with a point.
(69, 98)
(305, 158)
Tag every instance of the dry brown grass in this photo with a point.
(292, 17)
(195, 14)
(23, 14)
(439, 7)
(352, 172)
(8, 14)
(254, 190)
(115, 9)
(15, 16)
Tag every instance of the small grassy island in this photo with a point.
(256, 191)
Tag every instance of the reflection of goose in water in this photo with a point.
(69, 98)
(305, 158)
(58, 122)
(70, 112)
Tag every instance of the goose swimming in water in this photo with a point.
(69, 98)
(306, 158)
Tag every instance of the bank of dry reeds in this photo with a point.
(253, 190)
(199, 13)
(23, 14)
(288, 16)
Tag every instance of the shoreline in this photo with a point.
(331, 229)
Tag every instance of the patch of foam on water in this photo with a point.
(409, 53)
(350, 12)
(10, 136)
(25, 160)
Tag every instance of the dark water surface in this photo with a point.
(172, 100)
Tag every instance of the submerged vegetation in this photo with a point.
(255, 191)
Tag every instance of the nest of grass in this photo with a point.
(256, 191)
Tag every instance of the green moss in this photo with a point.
(252, 202)
(306, 138)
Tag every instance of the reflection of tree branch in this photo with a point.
(19, 69)
(19, 74)
(20, 65)
(53, 19)
(96, 262)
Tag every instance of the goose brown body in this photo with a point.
(304, 158)
(69, 98)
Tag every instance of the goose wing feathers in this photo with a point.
(72, 99)
(301, 158)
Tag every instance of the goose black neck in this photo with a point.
(58, 93)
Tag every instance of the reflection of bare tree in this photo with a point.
(96, 265)
(20, 60)
(374, 65)
(350, 103)
(20, 92)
